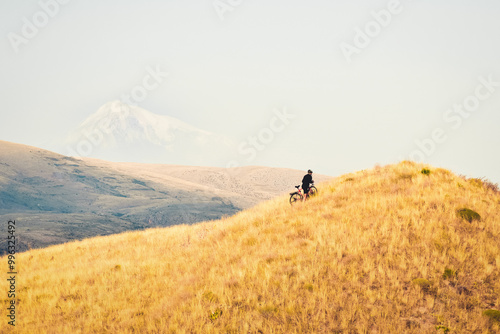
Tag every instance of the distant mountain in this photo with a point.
(55, 198)
(120, 132)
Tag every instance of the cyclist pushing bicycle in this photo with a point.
(306, 181)
(308, 190)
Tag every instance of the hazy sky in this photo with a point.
(366, 82)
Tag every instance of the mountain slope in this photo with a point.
(378, 251)
(56, 198)
(120, 132)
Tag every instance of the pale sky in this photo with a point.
(231, 63)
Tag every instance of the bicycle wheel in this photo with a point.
(295, 197)
(313, 191)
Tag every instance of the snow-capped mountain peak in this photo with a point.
(118, 131)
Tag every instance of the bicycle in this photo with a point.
(298, 195)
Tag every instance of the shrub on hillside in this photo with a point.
(493, 315)
(468, 214)
(425, 171)
(215, 315)
(449, 273)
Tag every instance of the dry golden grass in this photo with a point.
(378, 251)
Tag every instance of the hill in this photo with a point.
(387, 250)
(55, 198)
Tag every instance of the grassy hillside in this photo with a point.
(378, 251)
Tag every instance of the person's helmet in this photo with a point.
(309, 171)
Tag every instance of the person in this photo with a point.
(306, 181)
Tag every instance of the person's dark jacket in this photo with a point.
(306, 180)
